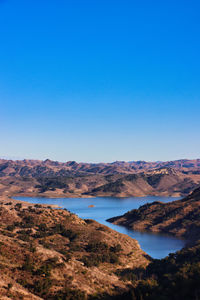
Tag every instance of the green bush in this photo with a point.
(69, 294)
(41, 287)
(28, 265)
(117, 248)
(96, 247)
(10, 227)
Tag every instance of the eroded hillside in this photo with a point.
(50, 253)
(177, 276)
(180, 218)
(120, 179)
(47, 168)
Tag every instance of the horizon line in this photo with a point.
(13, 158)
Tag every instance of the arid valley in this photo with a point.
(61, 256)
(100, 150)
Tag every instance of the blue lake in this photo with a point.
(156, 245)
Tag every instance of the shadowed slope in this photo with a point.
(180, 218)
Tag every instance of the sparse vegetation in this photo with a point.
(48, 253)
(55, 255)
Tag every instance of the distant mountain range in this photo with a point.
(44, 252)
(120, 179)
(35, 168)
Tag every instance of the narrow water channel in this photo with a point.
(156, 245)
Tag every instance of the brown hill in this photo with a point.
(162, 182)
(120, 179)
(180, 218)
(35, 179)
(53, 254)
(35, 168)
(177, 276)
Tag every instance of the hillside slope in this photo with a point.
(47, 168)
(180, 218)
(162, 182)
(54, 179)
(48, 253)
(177, 276)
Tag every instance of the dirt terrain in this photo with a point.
(119, 179)
(177, 276)
(179, 218)
(50, 253)
(47, 168)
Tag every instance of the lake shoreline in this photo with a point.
(57, 195)
(106, 207)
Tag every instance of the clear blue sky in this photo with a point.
(100, 80)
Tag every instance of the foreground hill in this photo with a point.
(49, 253)
(119, 179)
(180, 218)
(177, 276)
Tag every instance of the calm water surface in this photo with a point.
(156, 245)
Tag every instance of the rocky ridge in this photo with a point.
(119, 179)
(179, 218)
